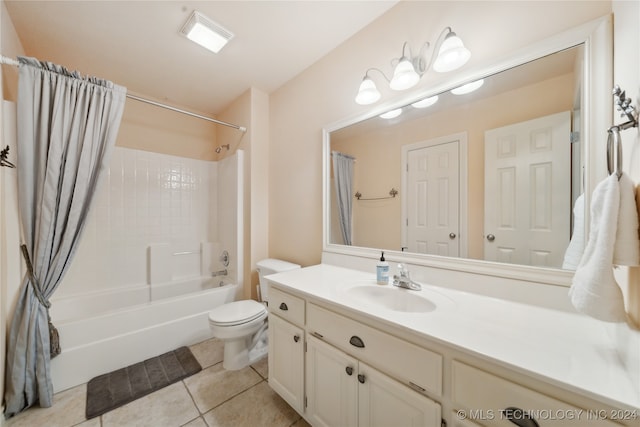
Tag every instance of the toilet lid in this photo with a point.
(237, 312)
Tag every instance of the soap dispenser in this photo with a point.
(382, 271)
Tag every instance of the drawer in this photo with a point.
(415, 366)
(482, 397)
(287, 306)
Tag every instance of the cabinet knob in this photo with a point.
(361, 378)
(356, 341)
(452, 236)
(296, 338)
(283, 306)
(349, 370)
(491, 237)
(519, 417)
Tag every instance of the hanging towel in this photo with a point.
(594, 290)
(574, 251)
(626, 250)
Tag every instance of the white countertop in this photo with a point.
(567, 350)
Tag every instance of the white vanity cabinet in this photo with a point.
(286, 347)
(342, 391)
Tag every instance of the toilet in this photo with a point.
(242, 325)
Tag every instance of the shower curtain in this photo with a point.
(343, 175)
(67, 126)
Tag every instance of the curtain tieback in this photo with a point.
(54, 338)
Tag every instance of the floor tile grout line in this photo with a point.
(234, 396)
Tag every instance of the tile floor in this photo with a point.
(211, 398)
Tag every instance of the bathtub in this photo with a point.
(98, 334)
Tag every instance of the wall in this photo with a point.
(323, 94)
(378, 166)
(251, 110)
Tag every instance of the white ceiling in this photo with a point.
(137, 44)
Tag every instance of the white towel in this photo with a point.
(627, 247)
(594, 290)
(573, 254)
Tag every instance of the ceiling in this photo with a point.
(137, 44)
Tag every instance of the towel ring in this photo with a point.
(614, 138)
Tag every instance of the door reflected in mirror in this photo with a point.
(491, 174)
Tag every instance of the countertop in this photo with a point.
(568, 350)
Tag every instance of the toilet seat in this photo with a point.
(237, 313)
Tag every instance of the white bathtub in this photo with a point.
(112, 338)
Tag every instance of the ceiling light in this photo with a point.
(424, 103)
(449, 54)
(468, 88)
(205, 32)
(452, 54)
(391, 114)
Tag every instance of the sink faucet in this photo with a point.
(219, 273)
(403, 280)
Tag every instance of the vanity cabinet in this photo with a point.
(494, 401)
(343, 391)
(286, 347)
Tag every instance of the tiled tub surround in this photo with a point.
(145, 198)
(568, 356)
(119, 304)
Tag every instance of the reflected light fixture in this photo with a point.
(449, 54)
(205, 32)
(468, 88)
(424, 103)
(391, 114)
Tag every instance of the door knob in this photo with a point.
(452, 236)
(491, 237)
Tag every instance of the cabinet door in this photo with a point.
(385, 402)
(332, 386)
(286, 361)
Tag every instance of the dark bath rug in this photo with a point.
(109, 391)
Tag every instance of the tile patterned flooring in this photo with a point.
(211, 398)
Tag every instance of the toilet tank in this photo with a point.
(271, 266)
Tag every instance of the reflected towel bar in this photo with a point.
(392, 195)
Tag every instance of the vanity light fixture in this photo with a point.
(449, 54)
(468, 88)
(424, 103)
(392, 114)
(205, 32)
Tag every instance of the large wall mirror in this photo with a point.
(491, 180)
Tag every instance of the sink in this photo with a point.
(391, 298)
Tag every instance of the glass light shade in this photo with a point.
(391, 114)
(368, 92)
(468, 88)
(404, 76)
(424, 103)
(452, 54)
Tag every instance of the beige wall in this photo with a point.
(324, 94)
(378, 167)
(251, 110)
(150, 128)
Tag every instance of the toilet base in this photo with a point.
(240, 353)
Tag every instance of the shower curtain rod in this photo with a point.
(11, 61)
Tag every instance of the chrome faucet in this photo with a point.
(403, 279)
(219, 273)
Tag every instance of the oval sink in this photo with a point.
(391, 298)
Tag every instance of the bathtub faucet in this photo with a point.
(219, 273)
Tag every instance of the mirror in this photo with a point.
(492, 175)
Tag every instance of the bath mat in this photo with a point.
(117, 388)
